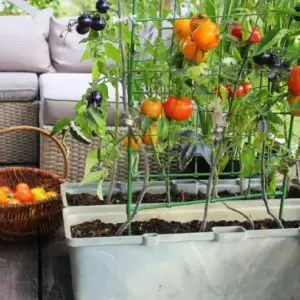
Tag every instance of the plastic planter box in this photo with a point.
(186, 185)
(229, 263)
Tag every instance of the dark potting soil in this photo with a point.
(87, 199)
(100, 229)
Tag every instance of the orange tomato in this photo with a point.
(134, 145)
(196, 20)
(3, 196)
(151, 134)
(7, 189)
(22, 186)
(292, 100)
(182, 28)
(24, 195)
(192, 53)
(207, 35)
(52, 194)
(151, 108)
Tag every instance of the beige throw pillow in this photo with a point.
(66, 51)
(23, 45)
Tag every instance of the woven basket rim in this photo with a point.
(55, 177)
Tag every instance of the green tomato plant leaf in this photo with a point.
(270, 39)
(61, 125)
(92, 159)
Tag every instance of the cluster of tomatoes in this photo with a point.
(254, 38)
(178, 109)
(86, 22)
(242, 90)
(197, 35)
(24, 194)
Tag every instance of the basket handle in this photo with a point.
(45, 133)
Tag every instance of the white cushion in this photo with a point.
(18, 86)
(60, 92)
(23, 45)
(65, 48)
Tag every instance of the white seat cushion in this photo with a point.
(23, 41)
(18, 86)
(60, 92)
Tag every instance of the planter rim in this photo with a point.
(224, 234)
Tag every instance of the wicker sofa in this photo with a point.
(41, 79)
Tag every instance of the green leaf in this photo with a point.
(274, 118)
(270, 39)
(95, 71)
(61, 125)
(286, 11)
(247, 158)
(272, 183)
(135, 162)
(92, 160)
(100, 190)
(126, 34)
(93, 35)
(102, 88)
(163, 128)
(210, 9)
(223, 162)
(246, 30)
(112, 52)
(97, 116)
(236, 54)
(94, 177)
(86, 55)
(78, 135)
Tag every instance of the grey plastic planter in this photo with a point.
(191, 186)
(228, 263)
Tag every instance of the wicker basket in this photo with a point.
(25, 221)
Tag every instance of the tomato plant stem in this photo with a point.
(123, 55)
(263, 186)
(241, 213)
(210, 185)
(145, 186)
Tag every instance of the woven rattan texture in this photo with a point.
(22, 222)
(19, 147)
(51, 159)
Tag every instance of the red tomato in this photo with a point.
(294, 80)
(24, 195)
(247, 87)
(22, 186)
(236, 31)
(255, 37)
(240, 91)
(227, 88)
(178, 109)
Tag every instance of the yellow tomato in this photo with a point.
(39, 194)
(51, 194)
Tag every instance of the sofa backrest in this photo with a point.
(65, 48)
(23, 41)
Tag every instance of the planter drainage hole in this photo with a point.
(150, 239)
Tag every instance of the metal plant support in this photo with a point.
(166, 175)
